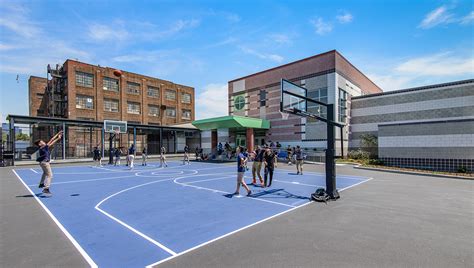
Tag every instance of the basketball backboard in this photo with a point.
(293, 97)
(111, 126)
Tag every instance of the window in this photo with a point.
(239, 102)
(133, 107)
(111, 105)
(263, 98)
(153, 92)
(186, 114)
(171, 112)
(170, 94)
(153, 110)
(186, 98)
(319, 95)
(39, 96)
(342, 105)
(84, 79)
(110, 84)
(133, 88)
(84, 102)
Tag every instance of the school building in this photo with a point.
(425, 127)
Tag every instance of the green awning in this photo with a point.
(231, 121)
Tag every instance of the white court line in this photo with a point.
(34, 171)
(61, 227)
(223, 192)
(299, 183)
(350, 186)
(241, 229)
(228, 234)
(128, 226)
(350, 177)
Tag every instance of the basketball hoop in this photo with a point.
(284, 115)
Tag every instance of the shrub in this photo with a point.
(358, 154)
(375, 162)
(462, 169)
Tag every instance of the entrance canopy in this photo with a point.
(231, 121)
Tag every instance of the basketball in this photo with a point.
(118, 73)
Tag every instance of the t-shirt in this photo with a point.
(44, 154)
(186, 149)
(259, 155)
(131, 150)
(299, 154)
(117, 152)
(270, 159)
(240, 160)
(96, 153)
(144, 151)
(163, 150)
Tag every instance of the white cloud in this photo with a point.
(227, 41)
(280, 38)
(438, 16)
(345, 18)
(264, 56)
(440, 67)
(212, 101)
(469, 18)
(321, 27)
(232, 17)
(100, 32)
(181, 25)
(15, 18)
(442, 64)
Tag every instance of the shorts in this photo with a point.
(97, 158)
(240, 177)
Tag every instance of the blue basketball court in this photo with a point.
(117, 217)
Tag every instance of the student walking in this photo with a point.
(299, 160)
(131, 155)
(97, 156)
(241, 171)
(257, 166)
(289, 155)
(44, 159)
(270, 162)
(186, 155)
(117, 153)
(144, 156)
(162, 157)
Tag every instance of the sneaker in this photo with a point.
(236, 193)
(249, 193)
(41, 185)
(298, 173)
(46, 191)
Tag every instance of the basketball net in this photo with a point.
(284, 116)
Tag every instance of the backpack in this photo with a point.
(320, 195)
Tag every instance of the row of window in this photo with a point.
(110, 84)
(112, 105)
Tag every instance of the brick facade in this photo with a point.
(72, 89)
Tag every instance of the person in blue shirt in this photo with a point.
(44, 159)
(131, 155)
(241, 159)
(97, 156)
(117, 153)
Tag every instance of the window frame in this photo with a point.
(109, 81)
(133, 103)
(186, 110)
(112, 100)
(157, 96)
(183, 99)
(170, 109)
(172, 91)
(153, 106)
(86, 97)
(83, 83)
(132, 91)
(242, 102)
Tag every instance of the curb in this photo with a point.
(415, 173)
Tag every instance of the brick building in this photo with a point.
(329, 77)
(90, 92)
(81, 91)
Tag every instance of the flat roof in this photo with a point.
(454, 83)
(231, 121)
(24, 119)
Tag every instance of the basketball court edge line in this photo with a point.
(61, 227)
(241, 229)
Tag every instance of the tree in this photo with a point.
(22, 137)
(369, 143)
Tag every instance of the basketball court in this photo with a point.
(134, 218)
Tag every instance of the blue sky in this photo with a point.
(204, 44)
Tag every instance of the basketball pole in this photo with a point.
(330, 155)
